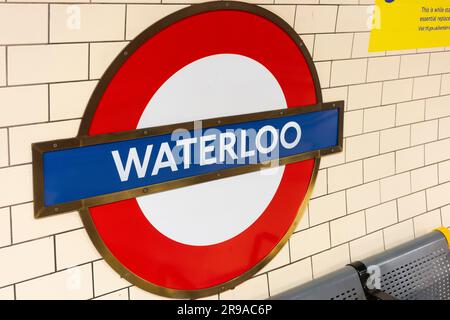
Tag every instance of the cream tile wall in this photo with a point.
(391, 183)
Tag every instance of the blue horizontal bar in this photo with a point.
(89, 171)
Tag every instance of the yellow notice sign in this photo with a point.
(410, 24)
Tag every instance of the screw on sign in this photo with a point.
(197, 152)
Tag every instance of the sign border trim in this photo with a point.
(90, 111)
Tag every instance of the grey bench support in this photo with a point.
(418, 269)
(343, 284)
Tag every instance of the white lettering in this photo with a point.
(297, 128)
(164, 150)
(133, 159)
(244, 152)
(204, 150)
(265, 130)
(186, 143)
(227, 147)
(218, 147)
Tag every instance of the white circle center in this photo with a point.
(215, 86)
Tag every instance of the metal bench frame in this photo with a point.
(416, 270)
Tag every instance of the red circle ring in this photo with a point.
(120, 231)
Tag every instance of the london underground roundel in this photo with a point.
(197, 151)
